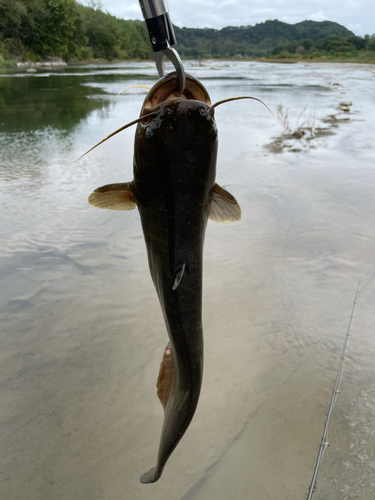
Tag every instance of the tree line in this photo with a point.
(35, 29)
(333, 46)
(253, 41)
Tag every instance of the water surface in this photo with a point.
(81, 330)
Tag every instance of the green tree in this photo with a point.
(307, 43)
(55, 27)
(371, 45)
(334, 44)
(100, 30)
(11, 15)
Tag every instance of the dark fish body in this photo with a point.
(172, 184)
(175, 191)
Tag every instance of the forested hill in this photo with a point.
(33, 30)
(252, 41)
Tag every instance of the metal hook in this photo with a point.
(173, 56)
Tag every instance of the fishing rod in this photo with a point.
(336, 390)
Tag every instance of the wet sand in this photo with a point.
(82, 337)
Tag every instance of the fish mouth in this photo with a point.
(164, 90)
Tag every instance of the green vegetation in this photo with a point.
(35, 30)
(252, 41)
(331, 47)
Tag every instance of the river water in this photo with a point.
(81, 331)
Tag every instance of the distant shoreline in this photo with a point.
(59, 63)
(318, 60)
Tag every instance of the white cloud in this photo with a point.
(209, 3)
(204, 25)
(132, 9)
(227, 2)
(264, 10)
(319, 16)
(354, 27)
(357, 15)
(290, 19)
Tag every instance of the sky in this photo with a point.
(356, 15)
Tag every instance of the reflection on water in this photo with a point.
(82, 334)
(29, 104)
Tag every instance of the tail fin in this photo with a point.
(164, 384)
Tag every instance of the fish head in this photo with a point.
(174, 127)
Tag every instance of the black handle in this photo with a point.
(160, 30)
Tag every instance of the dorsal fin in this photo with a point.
(223, 206)
(166, 376)
(113, 197)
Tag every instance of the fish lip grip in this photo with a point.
(162, 37)
(173, 56)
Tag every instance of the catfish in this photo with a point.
(174, 189)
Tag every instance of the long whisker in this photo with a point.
(236, 99)
(134, 87)
(117, 131)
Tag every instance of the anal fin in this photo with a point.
(113, 197)
(223, 206)
(166, 376)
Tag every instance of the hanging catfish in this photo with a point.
(175, 191)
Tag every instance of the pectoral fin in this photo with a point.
(223, 206)
(113, 197)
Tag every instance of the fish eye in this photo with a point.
(149, 133)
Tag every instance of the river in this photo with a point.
(81, 331)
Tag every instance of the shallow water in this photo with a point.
(82, 334)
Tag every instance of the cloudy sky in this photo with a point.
(357, 15)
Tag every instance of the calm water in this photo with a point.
(81, 332)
